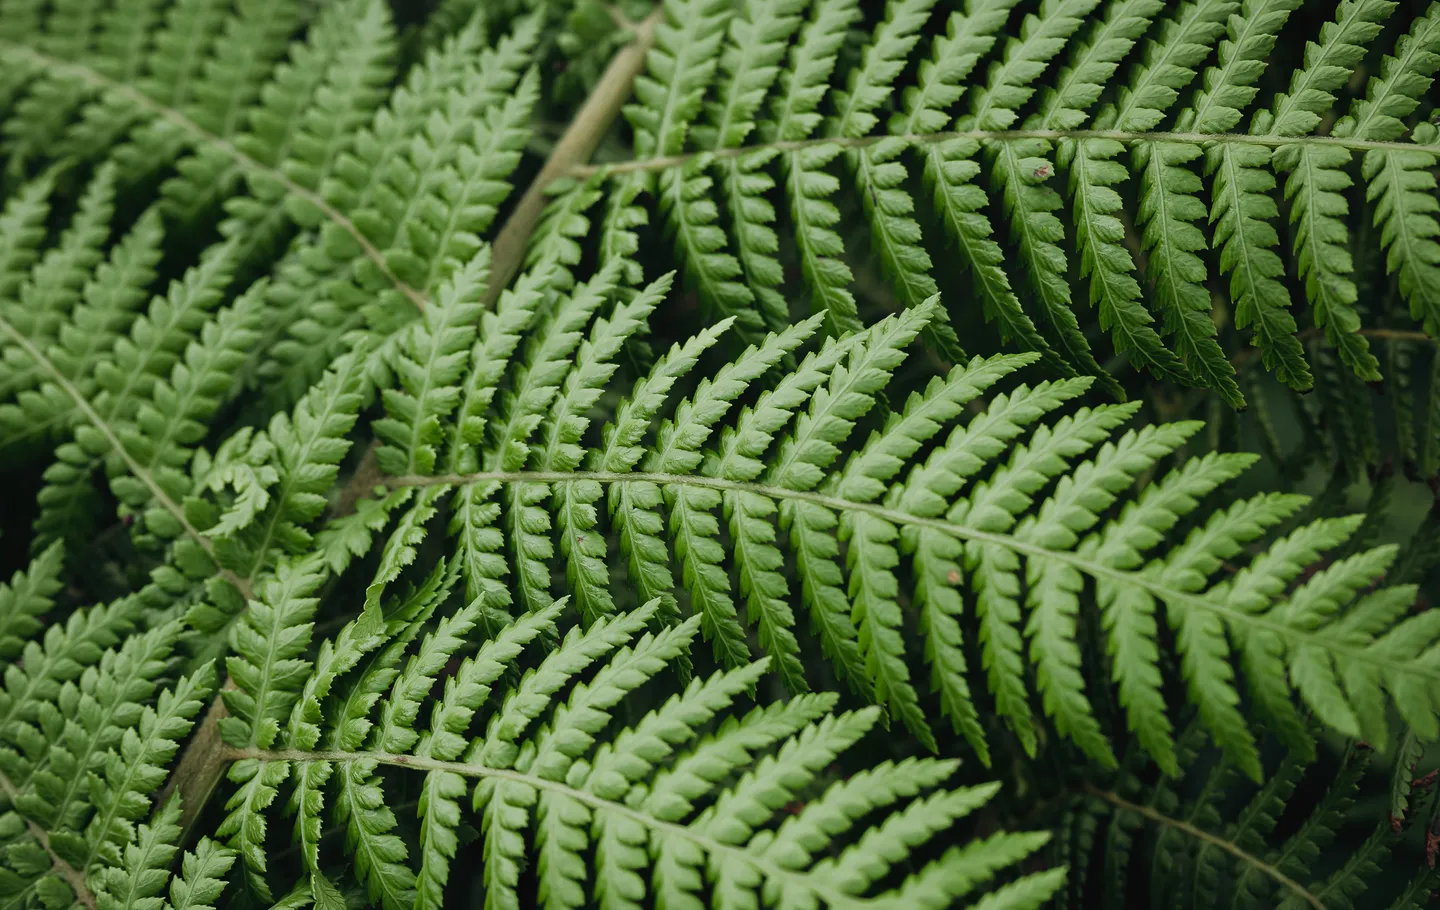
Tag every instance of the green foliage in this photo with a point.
(1188, 155)
(653, 800)
(1207, 843)
(748, 513)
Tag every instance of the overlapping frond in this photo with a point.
(133, 392)
(473, 567)
(88, 727)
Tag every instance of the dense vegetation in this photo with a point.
(721, 453)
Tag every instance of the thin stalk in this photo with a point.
(575, 147)
(1199, 834)
(670, 162)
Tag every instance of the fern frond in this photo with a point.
(1213, 856)
(950, 172)
(342, 41)
(26, 599)
(1317, 177)
(308, 446)
(54, 286)
(1034, 119)
(190, 65)
(751, 62)
(135, 768)
(141, 878)
(200, 880)
(84, 741)
(416, 207)
(794, 116)
(539, 778)
(978, 514)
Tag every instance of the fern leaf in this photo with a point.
(690, 215)
(1021, 168)
(308, 448)
(473, 513)
(136, 768)
(379, 854)
(694, 527)
(801, 458)
(120, 286)
(895, 235)
(431, 361)
(1398, 179)
(1317, 179)
(793, 117)
(751, 62)
(938, 557)
(268, 643)
(395, 193)
(24, 223)
(73, 31)
(750, 523)
(949, 171)
(27, 597)
(439, 808)
(1240, 209)
(668, 97)
(60, 655)
(594, 365)
(1170, 64)
(54, 286)
(642, 543)
(163, 429)
(142, 877)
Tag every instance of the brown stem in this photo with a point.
(201, 765)
(575, 147)
(367, 475)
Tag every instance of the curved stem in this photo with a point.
(922, 139)
(1229, 847)
(1156, 587)
(813, 884)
